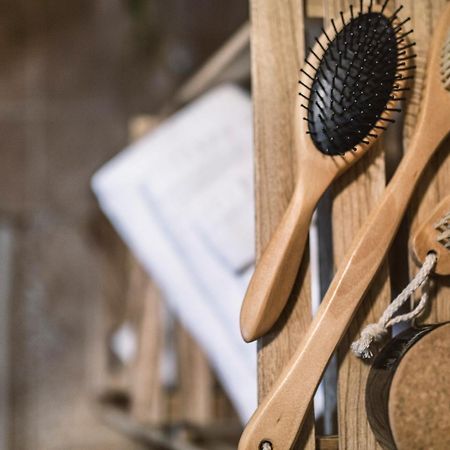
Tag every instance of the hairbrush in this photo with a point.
(350, 86)
(282, 411)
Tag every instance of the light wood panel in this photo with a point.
(6, 269)
(355, 194)
(277, 48)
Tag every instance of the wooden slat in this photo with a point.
(327, 443)
(195, 395)
(277, 46)
(355, 194)
(149, 403)
(314, 9)
(196, 382)
(435, 183)
(6, 268)
(148, 399)
(215, 68)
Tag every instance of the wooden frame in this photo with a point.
(277, 49)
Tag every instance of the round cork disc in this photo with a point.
(419, 398)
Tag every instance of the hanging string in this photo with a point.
(375, 333)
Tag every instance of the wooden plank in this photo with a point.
(148, 400)
(147, 391)
(277, 49)
(194, 402)
(435, 183)
(314, 9)
(196, 382)
(327, 443)
(355, 193)
(6, 267)
(213, 70)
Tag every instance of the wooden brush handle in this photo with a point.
(275, 273)
(281, 414)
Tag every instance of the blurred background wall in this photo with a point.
(72, 74)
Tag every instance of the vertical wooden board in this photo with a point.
(6, 279)
(277, 52)
(147, 394)
(145, 304)
(196, 382)
(355, 194)
(435, 183)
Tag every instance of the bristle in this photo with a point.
(399, 26)
(309, 64)
(402, 36)
(358, 78)
(445, 63)
(326, 35)
(334, 26)
(443, 227)
(384, 6)
(395, 15)
(320, 45)
(311, 51)
(401, 49)
(386, 119)
(304, 85)
(307, 74)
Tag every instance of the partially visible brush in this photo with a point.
(434, 236)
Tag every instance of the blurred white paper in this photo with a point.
(182, 199)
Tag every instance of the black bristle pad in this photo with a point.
(353, 83)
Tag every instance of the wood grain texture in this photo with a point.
(327, 443)
(277, 48)
(6, 279)
(194, 399)
(435, 183)
(148, 400)
(196, 382)
(355, 193)
(149, 403)
(351, 206)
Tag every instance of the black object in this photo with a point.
(355, 79)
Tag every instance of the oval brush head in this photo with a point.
(355, 81)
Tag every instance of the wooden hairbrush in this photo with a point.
(281, 413)
(351, 84)
(408, 387)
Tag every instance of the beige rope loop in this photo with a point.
(376, 332)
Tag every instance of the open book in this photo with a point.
(182, 199)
